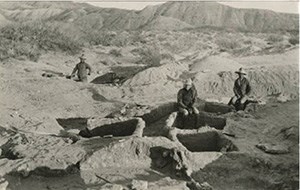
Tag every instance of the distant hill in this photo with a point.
(167, 16)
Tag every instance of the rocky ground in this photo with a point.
(60, 134)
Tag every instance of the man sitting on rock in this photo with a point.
(186, 98)
(81, 69)
(241, 91)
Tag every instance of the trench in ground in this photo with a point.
(200, 120)
(213, 107)
(118, 129)
(206, 141)
(73, 123)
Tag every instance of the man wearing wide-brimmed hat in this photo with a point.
(241, 90)
(186, 98)
(81, 69)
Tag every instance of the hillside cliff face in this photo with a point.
(167, 16)
(213, 14)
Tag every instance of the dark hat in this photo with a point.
(241, 71)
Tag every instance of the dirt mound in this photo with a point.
(265, 81)
(269, 75)
(215, 64)
(279, 82)
(155, 85)
(26, 152)
(164, 73)
(287, 58)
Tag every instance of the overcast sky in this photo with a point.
(279, 6)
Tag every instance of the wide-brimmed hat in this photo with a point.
(188, 82)
(241, 71)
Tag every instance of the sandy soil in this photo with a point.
(35, 149)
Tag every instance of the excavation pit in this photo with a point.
(214, 107)
(210, 141)
(73, 123)
(200, 120)
(159, 112)
(104, 127)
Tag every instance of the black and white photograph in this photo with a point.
(149, 95)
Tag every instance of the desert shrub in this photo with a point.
(115, 52)
(137, 37)
(247, 42)
(31, 39)
(167, 56)
(137, 51)
(210, 38)
(180, 42)
(242, 51)
(104, 62)
(121, 39)
(275, 38)
(109, 38)
(149, 55)
(227, 43)
(185, 41)
(104, 38)
(294, 40)
(162, 38)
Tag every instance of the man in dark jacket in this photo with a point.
(186, 98)
(81, 69)
(241, 90)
